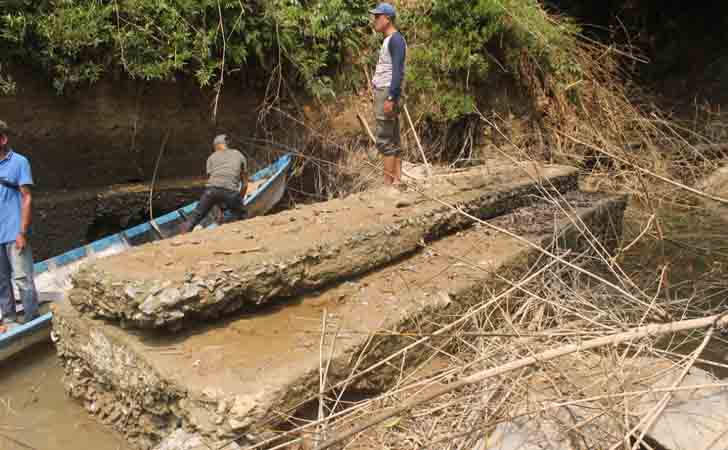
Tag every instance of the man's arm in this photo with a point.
(26, 205)
(25, 181)
(244, 176)
(398, 51)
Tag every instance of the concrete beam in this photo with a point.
(240, 377)
(215, 273)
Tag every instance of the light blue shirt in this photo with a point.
(15, 169)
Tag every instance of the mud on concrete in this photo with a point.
(214, 273)
(240, 378)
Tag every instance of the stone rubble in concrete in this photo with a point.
(283, 266)
(151, 385)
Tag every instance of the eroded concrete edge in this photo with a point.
(163, 303)
(127, 392)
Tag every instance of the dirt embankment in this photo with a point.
(64, 220)
(111, 132)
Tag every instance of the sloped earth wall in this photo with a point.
(63, 220)
(236, 379)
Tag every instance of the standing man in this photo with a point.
(227, 169)
(16, 257)
(387, 82)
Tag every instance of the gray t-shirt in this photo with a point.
(224, 168)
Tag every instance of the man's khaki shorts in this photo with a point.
(387, 132)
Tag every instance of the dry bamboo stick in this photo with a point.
(365, 125)
(650, 419)
(636, 333)
(417, 139)
(648, 172)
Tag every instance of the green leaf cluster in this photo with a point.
(456, 44)
(78, 41)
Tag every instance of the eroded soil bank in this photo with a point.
(64, 220)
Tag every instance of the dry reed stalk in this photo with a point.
(560, 300)
(647, 331)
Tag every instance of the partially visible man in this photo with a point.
(227, 169)
(387, 81)
(16, 257)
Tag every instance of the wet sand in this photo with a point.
(35, 412)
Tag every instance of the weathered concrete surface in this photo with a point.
(242, 375)
(213, 273)
(181, 439)
(693, 419)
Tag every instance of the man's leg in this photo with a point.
(397, 171)
(387, 136)
(7, 298)
(234, 204)
(397, 146)
(207, 201)
(21, 263)
(389, 169)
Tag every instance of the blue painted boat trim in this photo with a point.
(105, 243)
(20, 330)
(273, 172)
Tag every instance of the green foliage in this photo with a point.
(455, 44)
(79, 40)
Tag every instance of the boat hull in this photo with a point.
(53, 276)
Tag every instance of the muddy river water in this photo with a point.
(36, 413)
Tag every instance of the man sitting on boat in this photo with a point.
(227, 169)
(16, 258)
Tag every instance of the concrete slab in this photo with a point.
(181, 439)
(693, 419)
(245, 374)
(214, 273)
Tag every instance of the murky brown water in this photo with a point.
(35, 412)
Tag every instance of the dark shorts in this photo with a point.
(387, 132)
(216, 196)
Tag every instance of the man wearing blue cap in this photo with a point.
(387, 82)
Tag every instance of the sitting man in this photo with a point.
(227, 168)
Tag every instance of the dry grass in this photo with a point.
(602, 398)
(672, 261)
